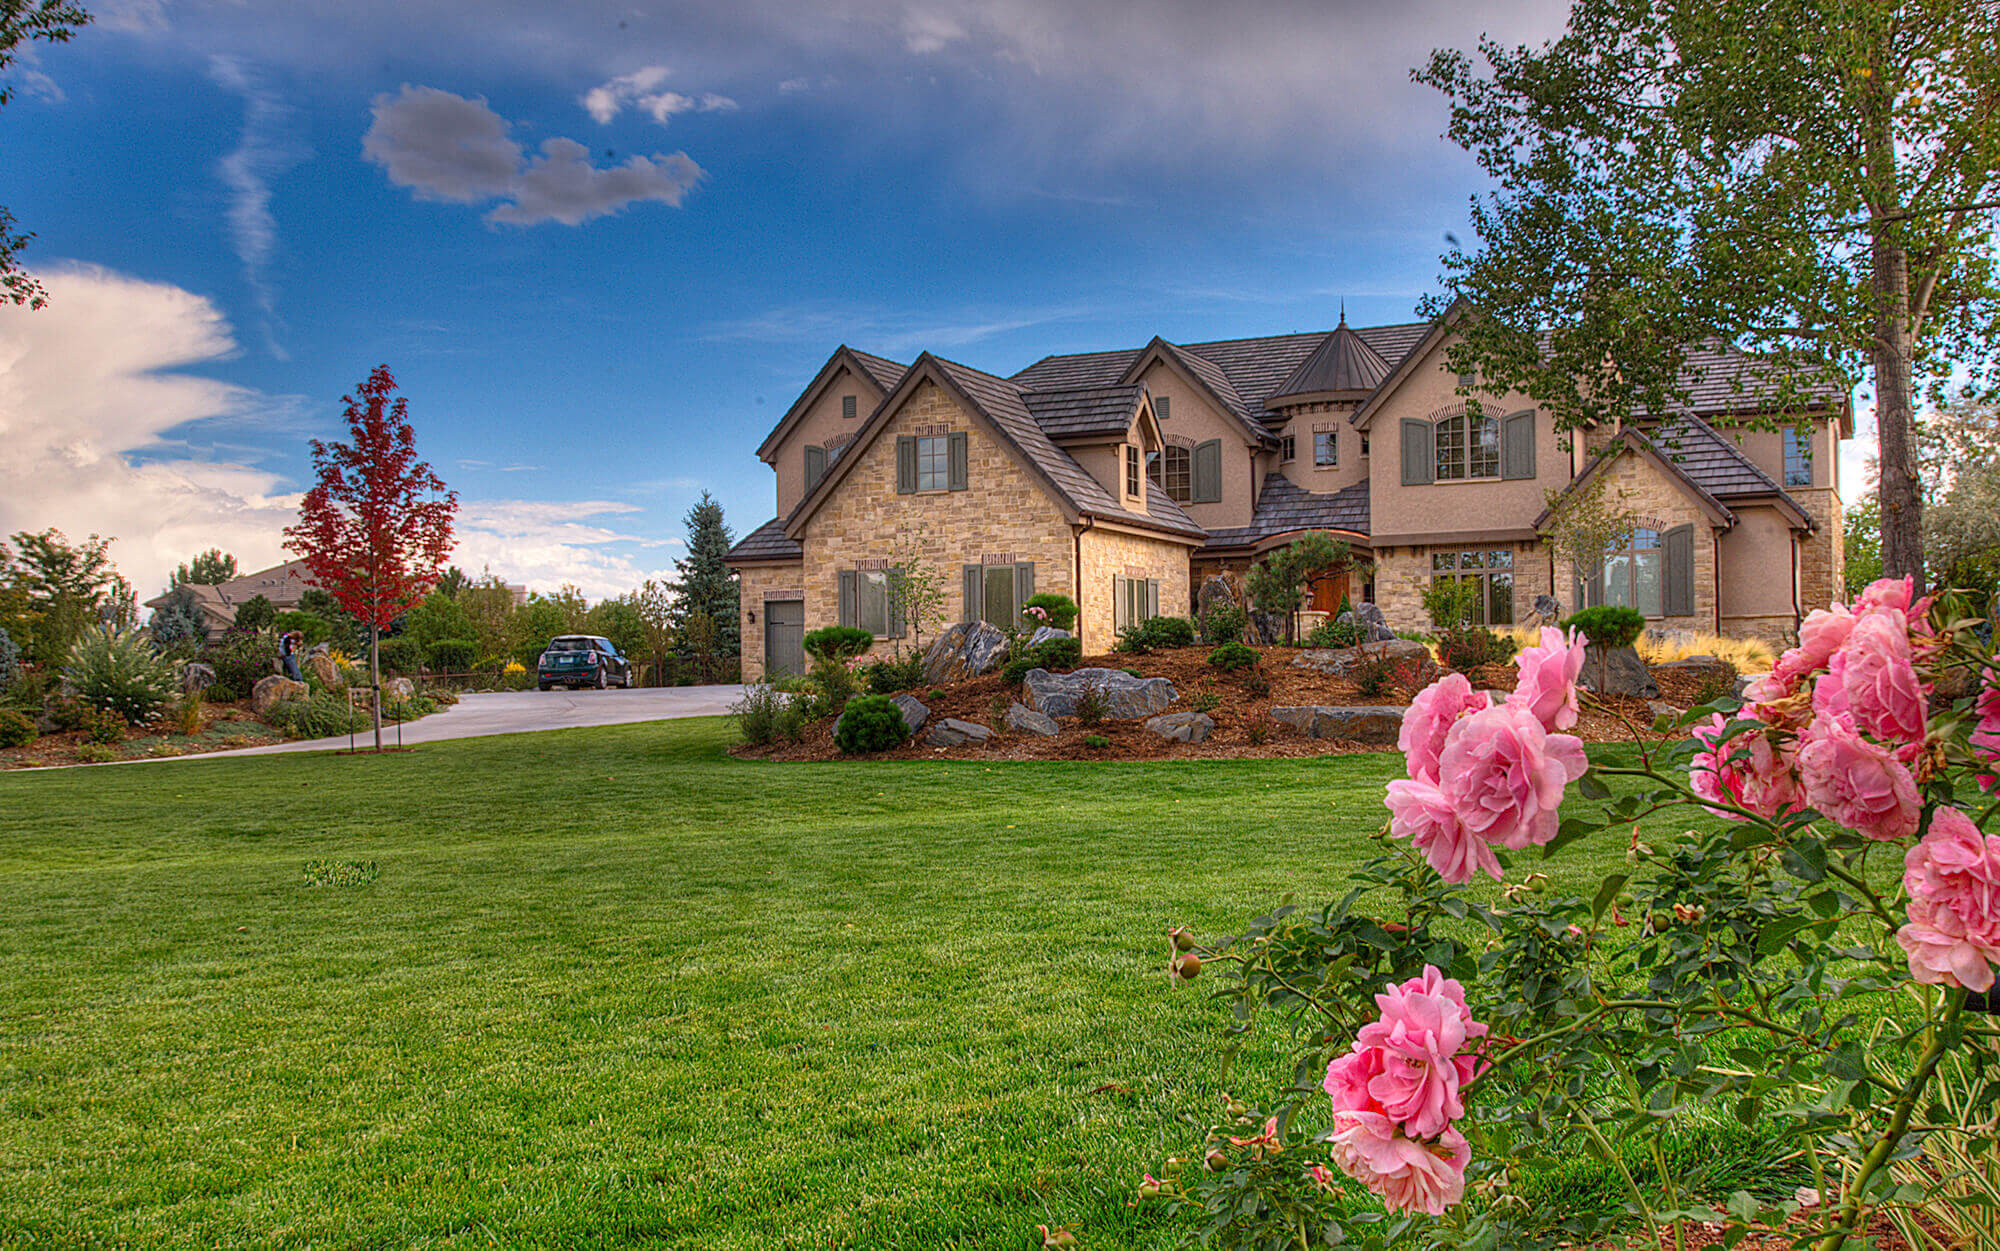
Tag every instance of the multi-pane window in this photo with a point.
(1798, 457)
(1491, 572)
(1634, 574)
(866, 605)
(1133, 486)
(1326, 449)
(1287, 447)
(1173, 472)
(933, 463)
(1133, 600)
(1468, 447)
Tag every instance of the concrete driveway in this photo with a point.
(514, 712)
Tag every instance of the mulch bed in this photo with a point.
(225, 726)
(1241, 714)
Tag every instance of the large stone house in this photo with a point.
(1124, 478)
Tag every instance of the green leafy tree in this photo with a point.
(1961, 472)
(489, 607)
(705, 584)
(1863, 541)
(619, 620)
(1583, 525)
(345, 632)
(60, 589)
(211, 568)
(436, 618)
(657, 618)
(453, 581)
(1814, 181)
(916, 591)
(531, 626)
(1277, 584)
(256, 613)
(27, 21)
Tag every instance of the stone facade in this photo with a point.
(1403, 574)
(758, 583)
(1111, 553)
(1661, 504)
(1823, 555)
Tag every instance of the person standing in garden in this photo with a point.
(288, 653)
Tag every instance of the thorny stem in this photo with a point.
(1591, 1131)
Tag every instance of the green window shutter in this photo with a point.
(1517, 446)
(1152, 598)
(1418, 462)
(959, 474)
(1024, 584)
(1208, 472)
(1162, 408)
(1118, 604)
(815, 467)
(973, 580)
(850, 610)
(906, 464)
(1678, 594)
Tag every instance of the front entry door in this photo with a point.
(1328, 589)
(784, 638)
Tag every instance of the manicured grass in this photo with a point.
(612, 987)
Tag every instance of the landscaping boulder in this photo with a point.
(1182, 727)
(319, 649)
(396, 690)
(1043, 634)
(1341, 662)
(967, 650)
(272, 691)
(1548, 608)
(1375, 627)
(1215, 589)
(1126, 698)
(1265, 627)
(1024, 720)
(914, 714)
(197, 677)
(951, 732)
(1618, 671)
(321, 666)
(1661, 708)
(1367, 723)
(1699, 668)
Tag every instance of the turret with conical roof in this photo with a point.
(1343, 366)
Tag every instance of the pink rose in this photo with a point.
(1857, 783)
(1409, 1175)
(1505, 775)
(1986, 734)
(1547, 686)
(1820, 635)
(1423, 814)
(1416, 1076)
(1430, 718)
(1953, 876)
(1873, 680)
(1748, 770)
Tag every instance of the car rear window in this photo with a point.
(573, 645)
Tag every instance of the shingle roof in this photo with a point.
(1717, 465)
(766, 542)
(1342, 362)
(885, 372)
(1085, 411)
(1722, 378)
(1283, 506)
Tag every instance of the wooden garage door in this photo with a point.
(784, 637)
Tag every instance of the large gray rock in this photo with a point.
(1548, 608)
(1182, 727)
(914, 713)
(322, 668)
(967, 650)
(950, 732)
(196, 676)
(1265, 628)
(1215, 589)
(1369, 617)
(1341, 662)
(1043, 634)
(272, 691)
(1700, 668)
(1368, 723)
(1022, 719)
(396, 690)
(1126, 698)
(1617, 671)
(319, 649)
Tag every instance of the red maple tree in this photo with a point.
(376, 527)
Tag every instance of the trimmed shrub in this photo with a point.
(1224, 623)
(16, 730)
(1096, 742)
(454, 655)
(1060, 653)
(1609, 625)
(117, 671)
(1330, 633)
(1233, 656)
(239, 660)
(319, 716)
(1157, 634)
(837, 642)
(1060, 608)
(886, 677)
(255, 613)
(402, 654)
(871, 723)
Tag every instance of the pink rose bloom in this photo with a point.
(1986, 734)
(1430, 718)
(1548, 679)
(1415, 1077)
(1857, 783)
(1873, 679)
(1953, 876)
(1748, 770)
(1423, 814)
(1505, 775)
(1820, 636)
(1348, 1079)
(1409, 1175)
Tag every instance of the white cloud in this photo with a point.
(1857, 456)
(448, 147)
(92, 407)
(640, 89)
(264, 153)
(793, 85)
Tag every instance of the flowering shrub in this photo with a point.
(1745, 968)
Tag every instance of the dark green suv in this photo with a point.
(582, 660)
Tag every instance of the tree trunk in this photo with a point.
(1891, 344)
(375, 674)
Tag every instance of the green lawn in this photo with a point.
(614, 988)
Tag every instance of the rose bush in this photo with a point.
(1746, 967)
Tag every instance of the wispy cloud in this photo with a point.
(886, 330)
(642, 89)
(265, 151)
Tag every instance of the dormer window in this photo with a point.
(1134, 480)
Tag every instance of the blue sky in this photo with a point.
(603, 246)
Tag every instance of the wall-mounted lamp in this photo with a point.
(753, 616)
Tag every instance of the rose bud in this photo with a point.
(1216, 1161)
(1183, 941)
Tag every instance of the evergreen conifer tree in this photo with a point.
(705, 584)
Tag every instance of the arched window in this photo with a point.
(1635, 573)
(1468, 447)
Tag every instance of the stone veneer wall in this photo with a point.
(1823, 553)
(1004, 513)
(1111, 553)
(756, 583)
(1403, 575)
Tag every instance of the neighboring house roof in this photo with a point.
(281, 584)
(1085, 412)
(1284, 507)
(766, 543)
(1002, 406)
(1343, 361)
(884, 373)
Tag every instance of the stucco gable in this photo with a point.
(875, 376)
